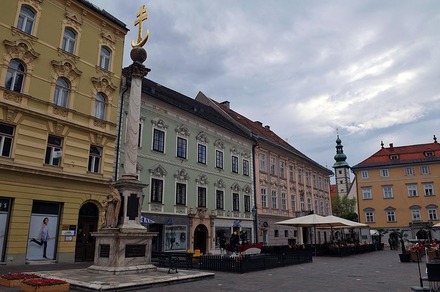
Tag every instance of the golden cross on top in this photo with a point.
(141, 16)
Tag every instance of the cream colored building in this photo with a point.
(398, 188)
(59, 90)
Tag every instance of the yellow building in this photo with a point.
(59, 91)
(398, 188)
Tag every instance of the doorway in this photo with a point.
(200, 238)
(85, 242)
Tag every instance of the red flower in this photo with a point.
(18, 276)
(43, 282)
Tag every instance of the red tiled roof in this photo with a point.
(402, 155)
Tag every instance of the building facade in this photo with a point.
(287, 182)
(199, 170)
(59, 92)
(398, 188)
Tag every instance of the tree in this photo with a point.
(401, 235)
(344, 207)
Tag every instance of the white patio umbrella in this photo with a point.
(436, 225)
(346, 223)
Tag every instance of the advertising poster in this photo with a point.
(175, 238)
(4, 208)
(42, 237)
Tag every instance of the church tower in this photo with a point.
(342, 170)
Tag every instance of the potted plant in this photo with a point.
(14, 279)
(44, 285)
(404, 256)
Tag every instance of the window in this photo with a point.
(412, 190)
(201, 153)
(26, 19)
(156, 190)
(424, 169)
(282, 169)
(15, 76)
(262, 162)
(292, 173)
(309, 204)
(276, 233)
(416, 215)
(104, 58)
(364, 174)
(6, 140)
(69, 40)
(219, 202)
(429, 153)
(384, 173)
(219, 159)
(284, 201)
(302, 203)
(387, 192)
(274, 199)
(409, 171)
(432, 214)
(366, 193)
(272, 166)
(234, 164)
(54, 151)
(394, 157)
(100, 100)
(263, 198)
(62, 89)
(308, 178)
(429, 189)
(95, 157)
(300, 176)
(391, 215)
(181, 147)
(158, 140)
(246, 167)
(235, 202)
(140, 133)
(180, 194)
(293, 199)
(369, 216)
(201, 197)
(247, 203)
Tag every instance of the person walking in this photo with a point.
(43, 236)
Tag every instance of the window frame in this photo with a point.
(428, 189)
(263, 198)
(69, 41)
(414, 213)
(219, 159)
(62, 92)
(100, 106)
(365, 191)
(387, 191)
(274, 199)
(412, 188)
(51, 148)
(201, 153)
(24, 20)
(246, 167)
(432, 214)
(409, 171)
(6, 138)
(234, 164)
(105, 59)
(182, 148)
(219, 199)
(391, 215)
(95, 158)
(181, 194)
(16, 76)
(369, 216)
(247, 203)
(156, 190)
(158, 141)
(384, 172)
(201, 196)
(236, 202)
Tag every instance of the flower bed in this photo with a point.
(44, 285)
(14, 279)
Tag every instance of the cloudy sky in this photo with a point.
(367, 69)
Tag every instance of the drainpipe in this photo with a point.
(255, 209)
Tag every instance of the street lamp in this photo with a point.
(254, 214)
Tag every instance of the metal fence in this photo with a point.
(250, 263)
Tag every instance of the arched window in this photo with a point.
(69, 40)
(62, 89)
(100, 101)
(15, 75)
(104, 58)
(26, 19)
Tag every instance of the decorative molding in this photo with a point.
(219, 144)
(66, 69)
(68, 56)
(220, 184)
(60, 111)
(12, 96)
(202, 137)
(202, 179)
(181, 175)
(234, 151)
(73, 20)
(182, 130)
(235, 187)
(98, 123)
(158, 171)
(159, 123)
(21, 50)
(103, 84)
(10, 115)
(247, 189)
(246, 155)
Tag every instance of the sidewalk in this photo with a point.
(375, 271)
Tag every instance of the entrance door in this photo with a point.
(85, 242)
(200, 238)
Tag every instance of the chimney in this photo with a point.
(267, 127)
(391, 146)
(259, 123)
(226, 103)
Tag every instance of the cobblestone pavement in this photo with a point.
(375, 271)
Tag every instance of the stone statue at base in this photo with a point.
(112, 205)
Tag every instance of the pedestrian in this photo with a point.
(222, 243)
(43, 236)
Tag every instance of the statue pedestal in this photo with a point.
(122, 251)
